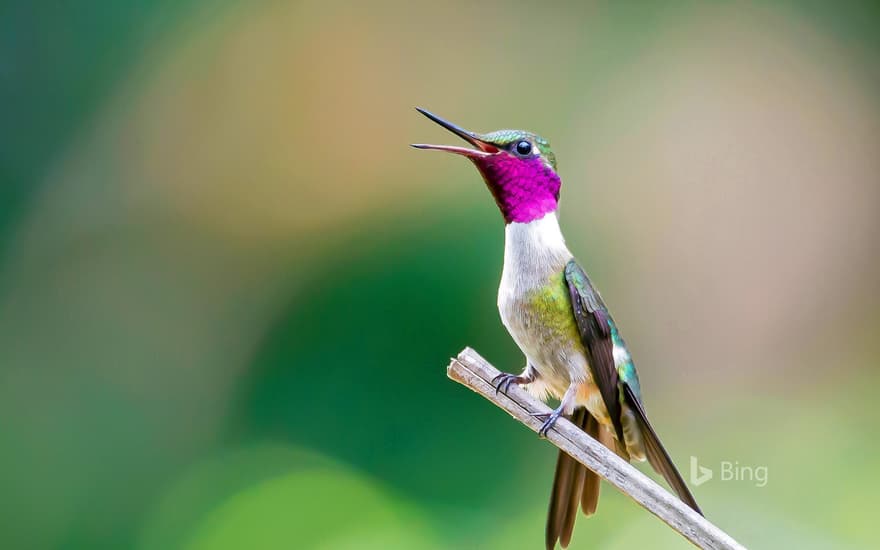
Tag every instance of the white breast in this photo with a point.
(534, 253)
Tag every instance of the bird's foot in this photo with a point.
(549, 421)
(504, 380)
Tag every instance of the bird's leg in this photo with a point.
(566, 406)
(504, 380)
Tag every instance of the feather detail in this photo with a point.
(594, 325)
(573, 486)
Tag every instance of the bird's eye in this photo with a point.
(523, 148)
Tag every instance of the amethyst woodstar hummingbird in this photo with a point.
(557, 318)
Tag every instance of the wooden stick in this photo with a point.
(477, 374)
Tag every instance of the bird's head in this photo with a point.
(518, 166)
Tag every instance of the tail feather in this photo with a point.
(574, 499)
(590, 494)
(559, 499)
(608, 439)
(657, 455)
(573, 485)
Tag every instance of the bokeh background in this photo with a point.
(229, 290)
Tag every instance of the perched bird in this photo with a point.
(572, 347)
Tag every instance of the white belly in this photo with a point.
(558, 359)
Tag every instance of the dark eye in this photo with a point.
(523, 148)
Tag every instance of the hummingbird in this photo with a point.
(573, 349)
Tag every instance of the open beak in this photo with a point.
(483, 148)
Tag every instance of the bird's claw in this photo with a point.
(504, 380)
(549, 421)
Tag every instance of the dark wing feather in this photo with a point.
(594, 325)
(656, 452)
(592, 321)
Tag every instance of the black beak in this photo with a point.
(483, 148)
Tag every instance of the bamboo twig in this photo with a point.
(477, 374)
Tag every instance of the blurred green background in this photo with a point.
(229, 290)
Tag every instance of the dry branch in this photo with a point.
(476, 373)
